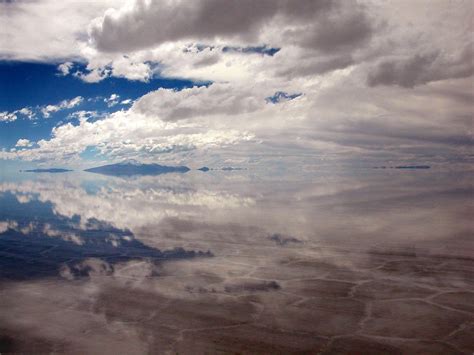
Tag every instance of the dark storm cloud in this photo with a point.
(324, 25)
(422, 68)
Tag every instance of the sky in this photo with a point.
(236, 82)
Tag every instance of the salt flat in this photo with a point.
(335, 263)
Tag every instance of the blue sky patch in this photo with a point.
(280, 96)
(34, 86)
(264, 50)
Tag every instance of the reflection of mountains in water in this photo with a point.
(129, 168)
(49, 170)
(41, 248)
(409, 167)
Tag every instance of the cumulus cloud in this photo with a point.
(46, 110)
(210, 120)
(150, 126)
(23, 143)
(47, 29)
(93, 74)
(112, 100)
(63, 105)
(65, 68)
(83, 115)
(217, 99)
(25, 112)
(8, 116)
(102, 66)
(377, 79)
(190, 19)
(328, 24)
(324, 34)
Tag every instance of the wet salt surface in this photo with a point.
(334, 263)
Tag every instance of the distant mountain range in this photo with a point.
(129, 168)
(51, 170)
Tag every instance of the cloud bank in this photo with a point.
(384, 80)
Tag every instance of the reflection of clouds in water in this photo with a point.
(56, 313)
(125, 205)
(287, 257)
(90, 267)
(23, 198)
(155, 305)
(6, 225)
(67, 236)
(41, 244)
(367, 207)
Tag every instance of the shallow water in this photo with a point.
(333, 261)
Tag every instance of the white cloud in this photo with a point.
(23, 143)
(147, 128)
(209, 121)
(47, 29)
(63, 105)
(217, 99)
(48, 109)
(112, 100)
(327, 26)
(27, 112)
(8, 116)
(13, 116)
(124, 67)
(65, 68)
(83, 115)
(418, 55)
(93, 74)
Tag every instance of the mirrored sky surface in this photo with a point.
(330, 260)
